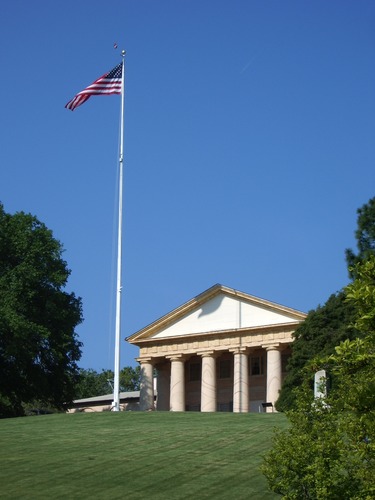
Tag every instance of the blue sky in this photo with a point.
(249, 147)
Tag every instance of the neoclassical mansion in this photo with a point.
(223, 350)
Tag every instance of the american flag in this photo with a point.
(109, 83)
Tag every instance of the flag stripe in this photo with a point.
(109, 83)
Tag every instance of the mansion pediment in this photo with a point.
(218, 309)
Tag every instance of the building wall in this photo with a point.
(257, 375)
(221, 351)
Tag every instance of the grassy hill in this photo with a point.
(136, 455)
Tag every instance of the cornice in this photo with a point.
(255, 330)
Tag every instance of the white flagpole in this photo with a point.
(116, 384)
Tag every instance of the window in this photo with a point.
(225, 368)
(256, 365)
(194, 372)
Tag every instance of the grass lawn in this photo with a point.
(136, 455)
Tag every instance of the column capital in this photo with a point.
(272, 347)
(144, 360)
(205, 354)
(176, 357)
(238, 350)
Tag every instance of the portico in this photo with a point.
(224, 350)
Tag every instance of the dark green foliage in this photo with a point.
(130, 378)
(329, 450)
(38, 345)
(91, 383)
(365, 235)
(328, 325)
(323, 329)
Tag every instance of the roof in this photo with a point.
(107, 397)
(219, 308)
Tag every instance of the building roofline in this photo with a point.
(203, 297)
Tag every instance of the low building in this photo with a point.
(223, 350)
(129, 401)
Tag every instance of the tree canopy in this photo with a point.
(365, 236)
(323, 329)
(39, 348)
(329, 324)
(91, 383)
(328, 452)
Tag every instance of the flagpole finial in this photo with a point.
(123, 52)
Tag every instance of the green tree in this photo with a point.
(329, 450)
(130, 378)
(91, 383)
(362, 293)
(323, 329)
(365, 236)
(39, 348)
(329, 324)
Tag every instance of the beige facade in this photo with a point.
(224, 350)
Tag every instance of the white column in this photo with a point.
(163, 384)
(240, 382)
(146, 397)
(177, 389)
(208, 387)
(273, 374)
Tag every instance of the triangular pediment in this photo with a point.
(218, 309)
